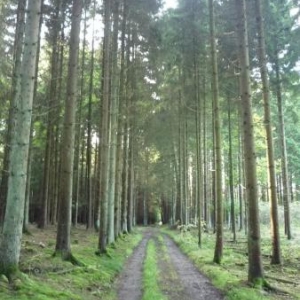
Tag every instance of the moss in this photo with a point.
(68, 256)
(60, 279)
(9, 270)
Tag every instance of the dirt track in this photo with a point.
(179, 279)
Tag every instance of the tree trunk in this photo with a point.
(57, 129)
(284, 162)
(217, 128)
(120, 226)
(18, 47)
(230, 161)
(89, 147)
(13, 222)
(276, 256)
(181, 160)
(124, 205)
(207, 216)
(130, 208)
(255, 269)
(63, 246)
(240, 181)
(114, 126)
(131, 132)
(105, 128)
(52, 115)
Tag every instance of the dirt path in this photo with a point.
(179, 278)
(130, 280)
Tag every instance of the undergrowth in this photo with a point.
(231, 275)
(45, 277)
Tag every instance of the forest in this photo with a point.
(122, 120)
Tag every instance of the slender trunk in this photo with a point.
(50, 139)
(124, 205)
(89, 147)
(121, 129)
(181, 161)
(145, 193)
(240, 186)
(57, 130)
(199, 159)
(185, 170)
(215, 86)
(255, 268)
(284, 162)
(113, 203)
(276, 256)
(232, 204)
(106, 98)
(130, 208)
(131, 122)
(63, 246)
(207, 217)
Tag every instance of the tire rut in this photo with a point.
(129, 283)
(178, 279)
(195, 285)
(169, 281)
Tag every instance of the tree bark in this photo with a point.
(89, 147)
(63, 246)
(113, 203)
(13, 222)
(120, 218)
(230, 162)
(106, 99)
(276, 256)
(217, 128)
(52, 115)
(18, 48)
(284, 162)
(255, 269)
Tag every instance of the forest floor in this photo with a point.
(122, 273)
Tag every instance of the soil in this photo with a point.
(179, 279)
(130, 280)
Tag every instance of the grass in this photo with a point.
(231, 276)
(45, 277)
(51, 278)
(150, 275)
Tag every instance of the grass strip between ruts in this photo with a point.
(150, 275)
